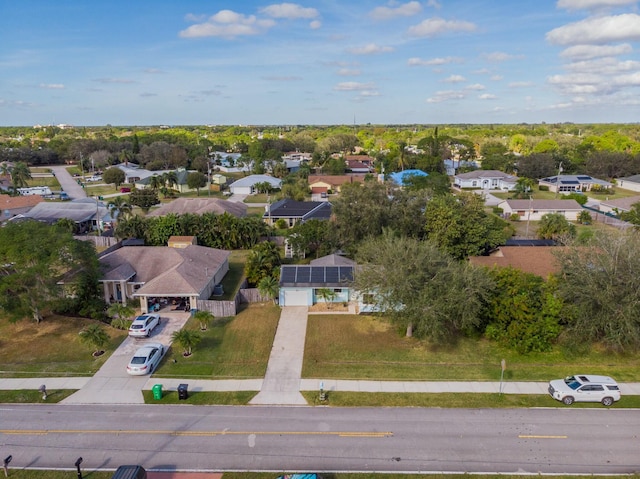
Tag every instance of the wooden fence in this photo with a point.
(222, 309)
(99, 241)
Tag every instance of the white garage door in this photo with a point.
(295, 297)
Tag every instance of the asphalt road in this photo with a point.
(561, 441)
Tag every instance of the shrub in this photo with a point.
(281, 224)
(120, 323)
(543, 188)
(514, 217)
(497, 211)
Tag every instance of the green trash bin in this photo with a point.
(157, 391)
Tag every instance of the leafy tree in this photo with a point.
(144, 199)
(633, 215)
(537, 165)
(95, 335)
(66, 224)
(421, 288)
(204, 318)
(313, 237)
(196, 180)
(584, 218)
(601, 288)
(20, 174)
(327, 295)
(268, 286)
(523, 187)
(114, 175)
(34, 256)
(580, 198)
(556, 227)
(460, 226)
(187, 339)
(263, 260)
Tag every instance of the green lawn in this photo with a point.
(231, 281)
(50, 181)
(237, 347)
(51, 348)
(364, 347)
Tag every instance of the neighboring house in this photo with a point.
(538, 260)
(181, 185)
(357, 166)
(87, 213)
(300, 285)
(326, 184)
(133, 173)
(485, 180)
(451, 166)
(534, 210)
(364, 159)
(246, 185)
(629, 183)
(571, 183)
(199, 206)
(161, 274)
(11, 206)
(294, 212)
(619, 205)
(294, 155)
(399, 177)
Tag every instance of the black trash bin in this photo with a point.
(183, 391)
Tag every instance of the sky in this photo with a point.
(324, 62)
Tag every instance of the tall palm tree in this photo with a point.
(20, 174)
(204, 318)
(95, 336)
(170, 179)
(268, 286)
(155, 182)
(327, 295)
(187, 339)
(119, 207)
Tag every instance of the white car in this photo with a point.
(585, 388)
(94, 178)
(143, 325)
(146, 359)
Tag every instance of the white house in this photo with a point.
(618, 205)
(246, 185)
(571, 183)
(485, 180)
(534, 210)
(301, 285)
(629, 183)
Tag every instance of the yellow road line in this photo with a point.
(524, 436)
(200, 433)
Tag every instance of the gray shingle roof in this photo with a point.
(200, 206)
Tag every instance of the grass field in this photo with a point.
(364, 347)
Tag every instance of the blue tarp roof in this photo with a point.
(400, 176)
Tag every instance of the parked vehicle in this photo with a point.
(94, 178)
(35, 190)
(585, 388)
(146, 359)
(143, 325)
(125, 189)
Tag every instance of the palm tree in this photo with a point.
(327, 295)
(268, 286)
(120, 311)
(187, 339)
(95, 336)
(523, 187)
(170, 179)
(204, 318)
(20, 174)
(67, 224)
(155, 182)
(118, 206)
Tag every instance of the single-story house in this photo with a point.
(87, 213)
(364, 159)
(332, 260)
(295, 155)
(357, 166)
(538, 260)
(451, 166)
(485, 180)
(320, 184)
(399, 177)
(181, 185)
(302, 285)
(629, 183)
(571, 183)
(294, 212)
(11, 206)
(161, 274)
(133, 173)
(619, 205)
(534, 210)
(247, 185)
(199, 206)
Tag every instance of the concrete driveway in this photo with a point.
(111, 384)
(68, 183)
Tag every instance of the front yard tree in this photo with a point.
(33, 258)
(144, 199)
(268, 286)
(601, 287)
(420, 287)
(204, 318)
(313, 237)
(114, 175)
(263, 259)
(556, 227)
(196, 180)
(187, 339)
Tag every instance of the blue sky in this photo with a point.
(318, 62)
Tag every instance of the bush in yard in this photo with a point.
(95, 335)
(187, 339)
(514, 217)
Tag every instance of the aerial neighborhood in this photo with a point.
(199, 236)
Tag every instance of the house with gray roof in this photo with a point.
(294, 212)
(162, 274)
(87, 213)
(629, 183)
(534, 210)
(571, 183)
(619, 205)
(485, 180)
(247, 185)
(200, 206)
(181, 185)
(300, 285)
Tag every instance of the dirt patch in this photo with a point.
(329, 307)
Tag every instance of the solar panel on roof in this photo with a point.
(332, 274)
(346, 273)
(304, 274)
(317, 274)
(587, 178)
(288, 274)
(570, 182)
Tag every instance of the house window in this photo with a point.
(337, 290)
(474, 183)
(521, 213)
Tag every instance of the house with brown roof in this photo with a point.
(200, 206)
(157, 274)
(534, 210)
(538, 260)
(11, 206)
(326, 184)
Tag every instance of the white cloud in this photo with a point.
(52, 86)
(475, 86)
(153, 71)
(403, 10)
(415, 61)
(520, 84)
(228, 24)
(487, 96)
(497, 77)
(289, 11)
(597, 30)
(315, 24)
(446, 95)
(434, 4)
(593, 4)
(586, 52)
(500, 56)
(370, 49)
(604, 66)
(454, 79)
(436, 26)
(113, 80)
(346, 72)
(369, 93)
(354, 86)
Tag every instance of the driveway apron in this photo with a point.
(281, 385)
